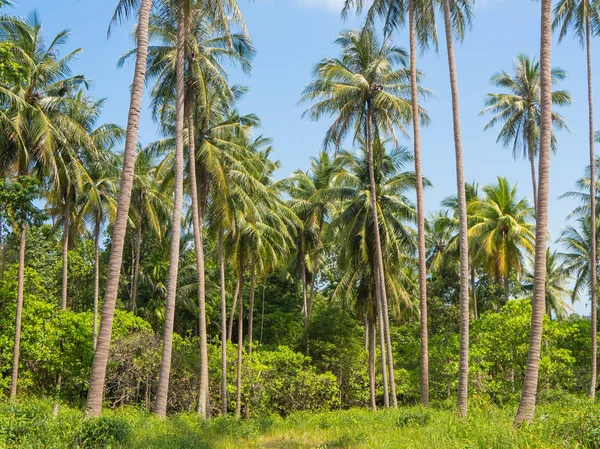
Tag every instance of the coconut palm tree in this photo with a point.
(422, 31)
(160, 404)
(367, 96)
(527, 405)
(575, 241)
(124, 9)
(40, 122)
(583, 18)
(502, 229)
(351, 227)
(519, 110)
(558, 280)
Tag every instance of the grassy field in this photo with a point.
(569, 423)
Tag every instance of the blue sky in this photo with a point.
(291, 36)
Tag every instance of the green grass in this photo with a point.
(569, 423)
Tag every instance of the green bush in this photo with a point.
(104, 431)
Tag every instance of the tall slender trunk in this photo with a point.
(251, 305)
(236, 295)
(19, 313)
(593, 261)
(379, 256)
(65, 249)
(199, 247)
(238, 380)
(372, 342)
(463, 374)
(262, 313)
(98, 372)
(474, 292)
(160, 406)
(531, 155)
(313, 281)
(223, 326)
(136, 265)
(506, 288)
(96, 275)
(528, 398)
(304, 295)
(384, 371)
(420, 206)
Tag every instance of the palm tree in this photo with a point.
(351, 228)
(160, 405)
(527, 406)
(306, 201)
(558, 279)
(98, 372)
(456, 22)
(575, 240)
(502, 230)
(39, 120)
(366, 93)
(583, 17)
(422, 29)
(520, 112)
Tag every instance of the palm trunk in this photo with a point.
(371, 342)
(238, 380)
(19, 313)
(236, 294)
(384, 377)
(223, 326)
(98, 372)
(96, 276)
(251, 305)
(304, 295)
(474, 293)
(527, 406)
(65, 249)
(160, 406)
(506, 288)
(463, 374)
(420, 207)
(199, 246)
(380, 278)
(531, 153)
(136, 265)
(594, 364)
(316, 271)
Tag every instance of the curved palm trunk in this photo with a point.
(463, 372)
(420, 207)
(96, 276)
(199, 246)
(160, 406)
(98, 372)
(233, 308)
(19, 313)
(304, 295)
(593, 261)
(238, 380)
(65, 250)
(136, 265)
(527, 406)
(223, 326)
(379, 274)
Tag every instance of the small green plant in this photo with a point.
(103, 432)
(413, 418)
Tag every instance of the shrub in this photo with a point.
(104, 431)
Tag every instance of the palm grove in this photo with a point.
(183, 275)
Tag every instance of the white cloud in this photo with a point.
(328, 5)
